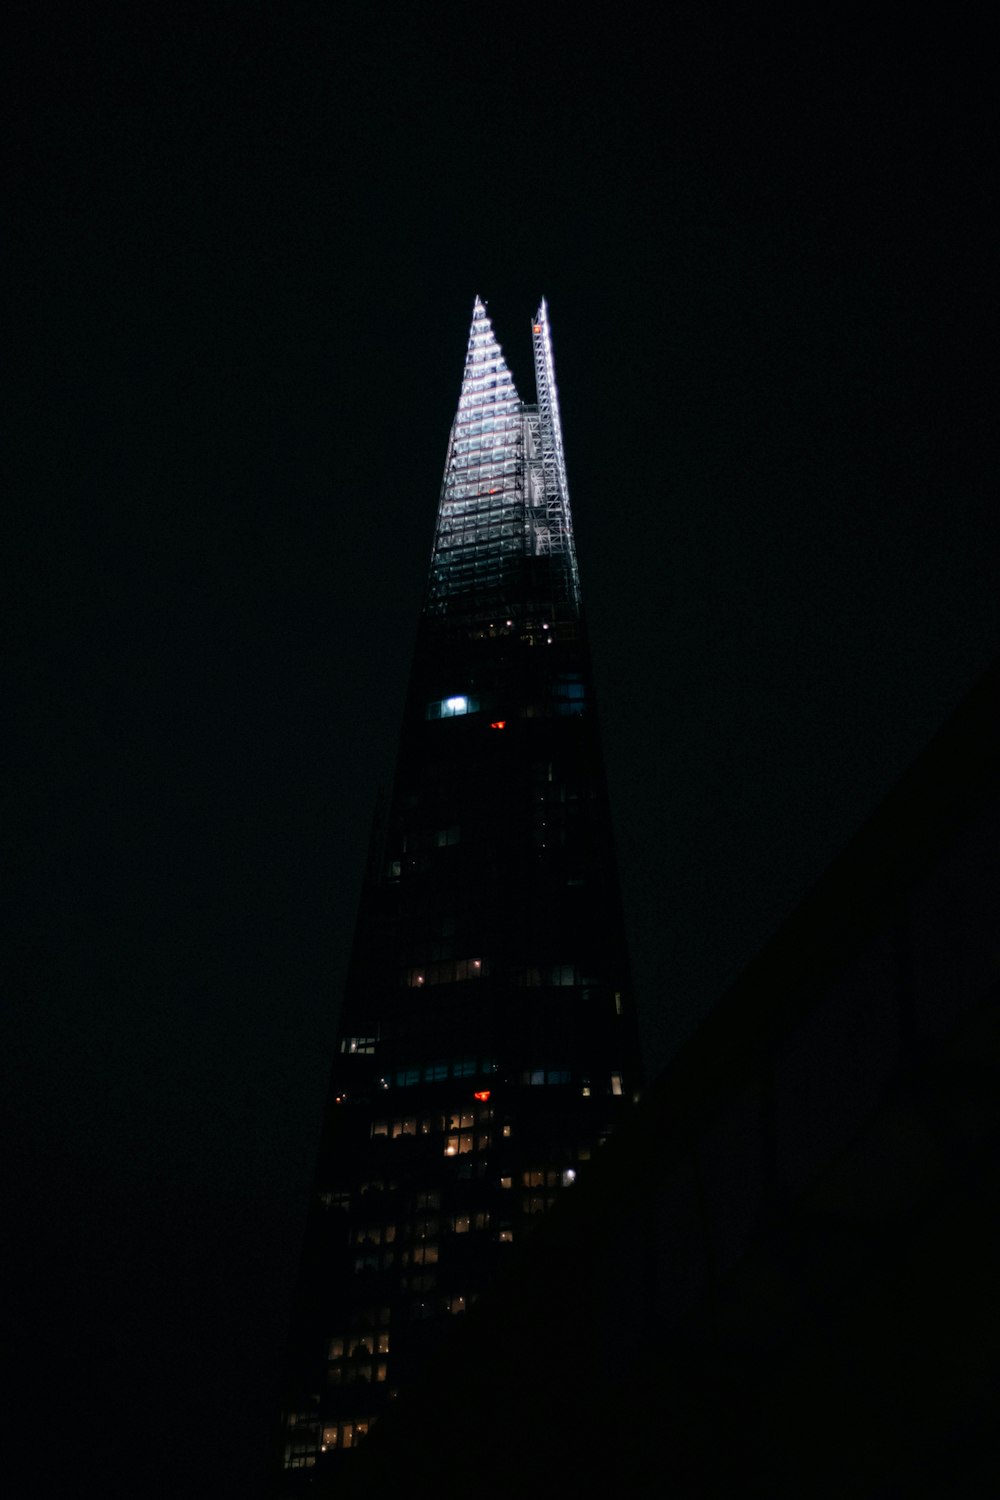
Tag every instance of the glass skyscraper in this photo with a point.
(488, 1040)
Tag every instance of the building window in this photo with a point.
(452, 708)
(335, 1200)
(536, 1076)
(345, 1434)
(452, 971)
(616, 1083)
(358, 1044)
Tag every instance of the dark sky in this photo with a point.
(246, 240)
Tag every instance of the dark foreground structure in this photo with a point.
(780, 1278)
(488, 1043)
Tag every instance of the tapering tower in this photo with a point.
(488, 1041)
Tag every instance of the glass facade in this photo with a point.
(488, 1041)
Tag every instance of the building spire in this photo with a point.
(503, 497)
(556, 489)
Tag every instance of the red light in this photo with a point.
(499, 724)
(538, 327)
(482, 1094)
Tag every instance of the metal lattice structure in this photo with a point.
(504, 495)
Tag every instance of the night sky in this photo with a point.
(245, 245)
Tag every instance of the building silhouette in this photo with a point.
(488, 1042)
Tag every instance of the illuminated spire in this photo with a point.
(480, 516)
(558, 520)
(503, 498)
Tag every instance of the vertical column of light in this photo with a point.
(480, 513)
(558, 514)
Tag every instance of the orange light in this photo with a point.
(499, 724)
(482, 1094)
(537, 327)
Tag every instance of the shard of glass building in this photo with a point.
(487, 1042)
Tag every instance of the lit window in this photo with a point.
(448, 972)
(506, 1236)
(616, 1083)
(568, 1177)
(452, 708)
(358, 1044)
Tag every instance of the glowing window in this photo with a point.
(356, 1044)
(452, 708)
(616, 1083)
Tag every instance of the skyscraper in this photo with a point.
(488, 1041)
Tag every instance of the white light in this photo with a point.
(457, 705)
(569, 1176)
